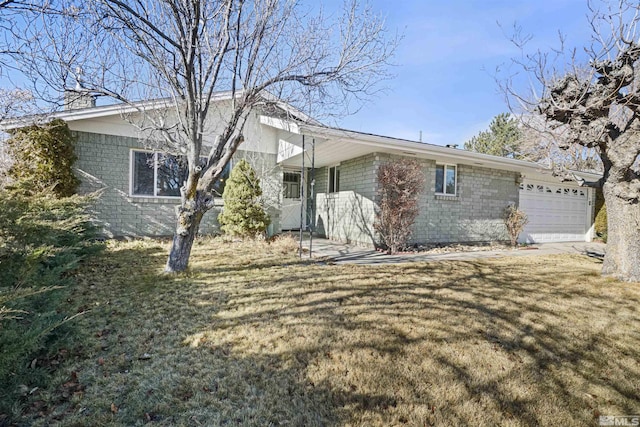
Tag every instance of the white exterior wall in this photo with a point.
(258, 138)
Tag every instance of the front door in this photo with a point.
(292, 200)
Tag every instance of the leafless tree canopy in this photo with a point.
(263, 53)
(540, 144)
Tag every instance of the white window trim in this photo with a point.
(132, 152)
(329, 179)
(444, 180)
(155, 175)
(299, 173)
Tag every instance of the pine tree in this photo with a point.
(243, 214)
(501, 139)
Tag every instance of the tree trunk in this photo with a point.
(622, 259)
(187, 227)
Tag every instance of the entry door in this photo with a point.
(292, 201)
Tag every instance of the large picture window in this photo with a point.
(162, 175)
(446, 179)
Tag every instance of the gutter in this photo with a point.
(430, 149)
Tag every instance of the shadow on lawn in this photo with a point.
(392, 343)
(137, 368)
(255, 342)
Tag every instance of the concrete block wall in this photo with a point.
(348, 215)
(474, 214)
(103, 166)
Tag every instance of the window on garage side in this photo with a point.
(446, 179)
(143, 176)
(171, 174)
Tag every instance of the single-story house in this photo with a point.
(327, 173)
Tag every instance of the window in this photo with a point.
(143, 174)
(291, 184)
(446, 179)
(162, 175)
(171, 174)
(218, 188)
(334, 179)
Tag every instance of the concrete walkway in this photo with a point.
(342, 253)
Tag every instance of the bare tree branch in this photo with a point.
(594, 105)
(262, 53)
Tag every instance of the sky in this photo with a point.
(444, 86)
(445, 73)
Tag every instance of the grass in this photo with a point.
(254, 336)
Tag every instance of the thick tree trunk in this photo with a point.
(622, 259)
(186, 230)
(196, 201)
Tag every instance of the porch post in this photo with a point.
(302, 195)
(312, 195)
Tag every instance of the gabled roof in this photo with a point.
(86, 113)
(122, 109)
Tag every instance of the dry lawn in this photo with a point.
(253, 336)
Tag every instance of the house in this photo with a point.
(328, 174)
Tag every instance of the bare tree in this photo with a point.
(540, 144)
(263, 53)
(595, 104)
(401, 182)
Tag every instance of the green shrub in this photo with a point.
(243, 214)
(43, 158)
(42, 240)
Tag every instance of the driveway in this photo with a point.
(342, 253)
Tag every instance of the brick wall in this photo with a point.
(103, 166)
(474, 214)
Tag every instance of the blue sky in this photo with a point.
(445, 71)
(445, 74)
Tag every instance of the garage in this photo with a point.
(557, 212)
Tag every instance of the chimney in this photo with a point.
(76, 99)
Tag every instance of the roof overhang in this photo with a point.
(101, 111)
(140, 107)
(333, 146)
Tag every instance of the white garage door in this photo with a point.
(556, 212)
